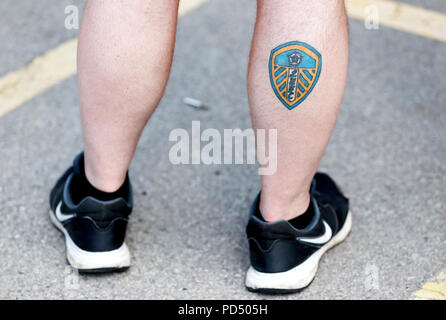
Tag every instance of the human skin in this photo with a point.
(124, 59)
(304, 131)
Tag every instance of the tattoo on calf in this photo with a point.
(294, 69)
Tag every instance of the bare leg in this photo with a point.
(124, 59)
(304, 131)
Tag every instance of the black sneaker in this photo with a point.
(285, 258)
(94, 230)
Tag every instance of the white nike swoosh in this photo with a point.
(321, 239)
(62, 216)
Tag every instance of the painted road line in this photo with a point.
(403, 17)
(41, 74)
(189, 5)
(433, 290)
(47, 70)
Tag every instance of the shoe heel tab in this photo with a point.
(93, 204)
(274, 255)
(262, 245)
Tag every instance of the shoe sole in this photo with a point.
(87, 261)
(299, 277)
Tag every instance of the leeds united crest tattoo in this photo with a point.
(294, 69)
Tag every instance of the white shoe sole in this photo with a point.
(298, 277)
(87, 261)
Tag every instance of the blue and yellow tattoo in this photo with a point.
(294, 69)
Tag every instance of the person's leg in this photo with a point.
(296, 82)
(124, 58)
(304, 131)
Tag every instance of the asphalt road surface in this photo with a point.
(186, 235)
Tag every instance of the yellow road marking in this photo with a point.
(433, 290)
(403, 17)
(59, 64)
(47, 70)
(41, 74)
(189, 5)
